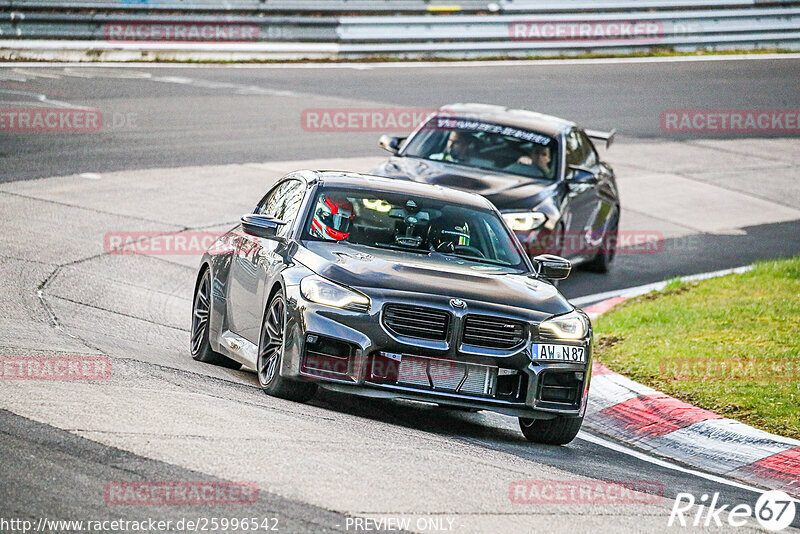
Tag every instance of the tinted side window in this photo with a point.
(283, 203)
(579, 150)
(574, 149)
(590, 156)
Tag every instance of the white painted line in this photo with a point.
(37, 74)
(41, 98)
(663, 463)
(720, 445)
(90, 176)
(732, 430)
(130, 75)
(714, 274)
(418, 64)
(656, 286)
(9, 77)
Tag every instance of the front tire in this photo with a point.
(558, 431)
(270, 356)
(201, 313)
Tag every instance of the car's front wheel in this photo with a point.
(201, 313)
(270, 356)
(557, 431)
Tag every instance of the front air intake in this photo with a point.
(416, 321)
(493, 332)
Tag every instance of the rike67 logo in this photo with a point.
(774, 510)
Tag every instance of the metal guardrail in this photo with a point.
(678, 25)
(378, 6)
(513, 28)
(282, 6)
(100, 26)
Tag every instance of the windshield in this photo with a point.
(486, 146)
(412, 223)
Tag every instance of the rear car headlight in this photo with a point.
(572, 325)
(323, 291)
(524, 220)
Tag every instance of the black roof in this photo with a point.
(519, 118)
(369, 182)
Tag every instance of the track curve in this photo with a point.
(337, 457)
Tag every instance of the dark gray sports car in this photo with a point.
(389, 288)
(543, 173)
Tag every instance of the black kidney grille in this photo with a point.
(416, 321)
(492, 332)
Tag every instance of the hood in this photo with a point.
(506, 191)
(367, 267)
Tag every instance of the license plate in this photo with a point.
(559, 353)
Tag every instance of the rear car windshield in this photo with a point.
(411, 223)
(486, 145)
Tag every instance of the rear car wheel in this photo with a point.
(557, 431)
(270, 356)
(201, 312)
(601, 263)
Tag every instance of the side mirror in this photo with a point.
(582, 175)
(552, 267)
(392, 144)
(262, 226)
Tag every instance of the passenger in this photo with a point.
(538, 160)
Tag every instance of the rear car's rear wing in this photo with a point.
(608, 137)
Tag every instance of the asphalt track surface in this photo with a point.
(212, 116)
(58, 470)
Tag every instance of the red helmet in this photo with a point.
(332, 217)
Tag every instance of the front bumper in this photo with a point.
(356, 353)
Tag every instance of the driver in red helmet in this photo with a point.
(332, 217)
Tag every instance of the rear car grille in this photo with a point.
(492, 332)
(433, 374)
(416, 321)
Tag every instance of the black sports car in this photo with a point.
(542, 172)
(389, 288)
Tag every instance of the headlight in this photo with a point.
(572, 325)
(524, 220)
(322, 291)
